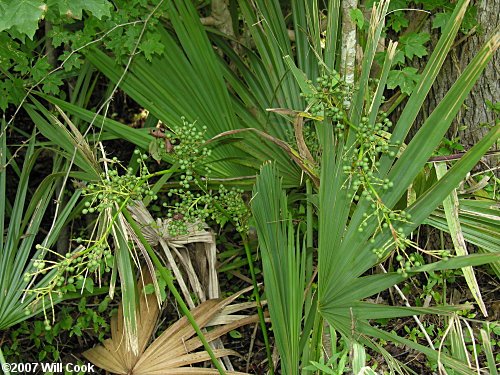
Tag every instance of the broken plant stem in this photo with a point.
(173, 289)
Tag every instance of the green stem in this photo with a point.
(259, 305)
(316, 344)
(310, 244)
(173, 289)
(159, 173)
(396, 103)
(309, 215)
(3, 363)
(254, 280)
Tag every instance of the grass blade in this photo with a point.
(450, 205)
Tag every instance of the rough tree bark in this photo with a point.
(488, 85)
(474, 112)
(348, 54)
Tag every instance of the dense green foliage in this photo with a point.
(253, 125)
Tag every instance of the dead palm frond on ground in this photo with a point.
(174, 351)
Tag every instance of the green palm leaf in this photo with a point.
(283, 261)
(24, 222)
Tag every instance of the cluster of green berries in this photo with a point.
(72, 266)
(361, 167)
(194, 208)
(115, 187)
(407, 261)
(362, 179)
(387, 219)
(47, 325)
(189, 152)
(96, 258)
(39, 264)
(369, 145)
(71, 269)
(405, 266)
(370, 134)
(190, 208)
(234, 206)
(331, 97)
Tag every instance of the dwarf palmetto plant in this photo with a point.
(192, 80)
(21, 216)
(75, 148)
(108, 194)
(360, 219)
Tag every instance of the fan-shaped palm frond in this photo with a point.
(174, 351)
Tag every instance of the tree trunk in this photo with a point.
(467, 124)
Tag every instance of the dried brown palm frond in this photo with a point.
(191, 257)
(173, 352)
(199, 268)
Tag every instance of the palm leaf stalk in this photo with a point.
(255, 293)
(111, 221)
(283, 261)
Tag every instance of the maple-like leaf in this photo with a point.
(11, 55)
(399, 58)
(74, 8)
(23, 15)
(397, 21)
(151, 45)
(11, 92)
(40, 69)
(52, 83)
(73, 61)
(470, 19)
(404, 79)
(413, 44)
(440, 20)
(59, 36)
(357, 17)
